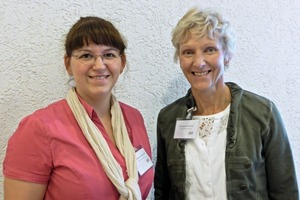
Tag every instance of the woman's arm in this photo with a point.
(23, 190)
(280, 169)
(162, 182)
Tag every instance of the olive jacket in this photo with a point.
(258, 161)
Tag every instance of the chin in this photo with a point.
(202, 87)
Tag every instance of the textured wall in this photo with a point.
(31, 55)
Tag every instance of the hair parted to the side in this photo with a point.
(96, 30)
(204, 23)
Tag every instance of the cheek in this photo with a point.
(118, 68)
(218, 62)
(183, 64)
(77, 69)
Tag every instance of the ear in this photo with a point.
(227, 59)
(67, 60)
(123, 62)
(226, 62)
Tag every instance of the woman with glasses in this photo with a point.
(89, 145)
(219, 141)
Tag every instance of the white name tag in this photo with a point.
(186, 129)
(144, 162)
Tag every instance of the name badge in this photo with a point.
(186, 129)
(144, 162)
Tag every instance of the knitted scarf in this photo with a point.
(129, 189)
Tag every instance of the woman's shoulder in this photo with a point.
(247, 95)
(178, 102)
(53, 107)
(43, 120)
(128, 108)
(50, 112)
(250, 101)
(129, 111)
(175, 109)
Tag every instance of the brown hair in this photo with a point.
(93, 30)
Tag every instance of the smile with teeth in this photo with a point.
(201, 73)
(99, 77)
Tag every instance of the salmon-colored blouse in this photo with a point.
(49, 148)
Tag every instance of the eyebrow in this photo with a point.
(204, 45)
(105, 50)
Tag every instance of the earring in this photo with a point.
(71, 81)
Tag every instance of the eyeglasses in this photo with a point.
(89, 58)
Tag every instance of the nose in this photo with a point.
(199, 60)
(99, 63)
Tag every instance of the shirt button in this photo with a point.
(169, 165)
(181, 144)
(247, 164)
(231, 142)
(243, 187)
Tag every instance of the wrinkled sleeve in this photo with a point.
(280, 169)
(28, 155)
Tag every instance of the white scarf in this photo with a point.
(129, 189)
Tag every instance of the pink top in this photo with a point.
(48, 147)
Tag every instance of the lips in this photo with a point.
(100, 77)
(201, 73)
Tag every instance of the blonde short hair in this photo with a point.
(204, 23)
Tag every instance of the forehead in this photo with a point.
(193, 38)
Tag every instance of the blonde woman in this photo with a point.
(219, 141)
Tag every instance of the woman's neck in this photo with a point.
(209, 103)
(102, 107)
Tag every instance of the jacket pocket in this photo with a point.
(245, 179)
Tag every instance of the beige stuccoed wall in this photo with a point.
(31, 55)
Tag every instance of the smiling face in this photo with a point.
(95, 78)
(202, 61)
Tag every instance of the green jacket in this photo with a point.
(259, 162)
